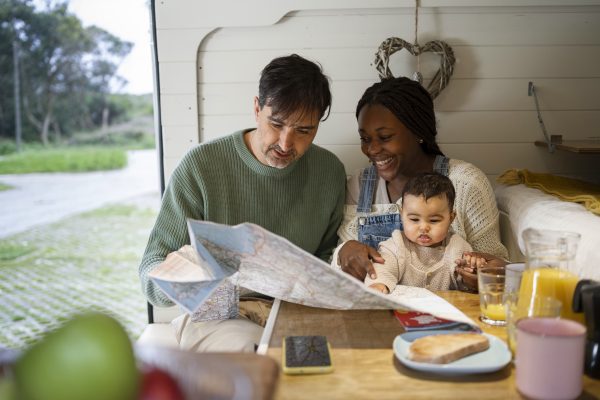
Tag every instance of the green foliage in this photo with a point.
(64, 160)
(12, 251)
(66, 71)
(136, 133)
(117, 210)
(7, 146)
(141, 105)
(126, 139)
(4, 187)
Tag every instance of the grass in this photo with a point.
(135, 134)
(85, 262)
(12, 251)
(4, 187)
(77, 159)
(82, 151)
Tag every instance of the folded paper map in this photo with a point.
(269, 264)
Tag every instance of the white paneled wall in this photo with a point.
(210, 58)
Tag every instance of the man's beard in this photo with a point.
(277, 162)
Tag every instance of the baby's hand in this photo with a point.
(471, 261)
(381, 287)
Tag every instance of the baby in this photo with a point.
(424, 253)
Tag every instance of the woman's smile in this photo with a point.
(383, 165)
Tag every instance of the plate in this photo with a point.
(493, 359)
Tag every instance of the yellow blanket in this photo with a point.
(567, 189)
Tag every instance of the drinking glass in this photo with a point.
(491, 282)
(539, 306)
(514, 273)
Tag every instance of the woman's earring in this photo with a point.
(420, 141)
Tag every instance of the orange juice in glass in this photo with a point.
(490, 282)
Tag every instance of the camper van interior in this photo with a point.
(516, 91)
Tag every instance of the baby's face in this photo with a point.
(426, 222)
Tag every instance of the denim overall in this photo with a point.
(377, 228)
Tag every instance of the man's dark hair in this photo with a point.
(293, 84)
(410, 103)
(430, 184)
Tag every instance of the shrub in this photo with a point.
(7, 146)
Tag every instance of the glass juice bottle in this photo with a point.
(549, 255)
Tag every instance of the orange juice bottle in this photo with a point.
(547, 272)
(547, 282)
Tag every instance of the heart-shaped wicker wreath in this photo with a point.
(442, 76)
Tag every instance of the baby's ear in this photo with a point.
(452, 216)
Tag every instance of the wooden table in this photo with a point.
(364, 363)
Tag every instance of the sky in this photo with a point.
(129, 20)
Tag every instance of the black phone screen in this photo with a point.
(306, 351)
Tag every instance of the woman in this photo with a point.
(397, 128)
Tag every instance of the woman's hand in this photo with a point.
(466, 279)
(356, 259)
(467, 266)
(471, 260)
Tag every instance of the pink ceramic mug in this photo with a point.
(549, 358)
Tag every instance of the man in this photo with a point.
(272, 176)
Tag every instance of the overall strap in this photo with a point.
(368, 178)
(441, 165)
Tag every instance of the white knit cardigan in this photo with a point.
(475, 205)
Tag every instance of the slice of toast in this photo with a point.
(443, 349)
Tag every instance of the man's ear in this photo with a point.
(256, 108)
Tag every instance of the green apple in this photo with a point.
(90, 357)
(7, 389)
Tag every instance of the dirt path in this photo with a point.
(39, 199)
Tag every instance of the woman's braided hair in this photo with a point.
(410, 103)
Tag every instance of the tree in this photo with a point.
(109, 52)
(12, 16)
(63, 66)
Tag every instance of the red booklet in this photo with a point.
(416, 321)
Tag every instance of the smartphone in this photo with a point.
(306, 355)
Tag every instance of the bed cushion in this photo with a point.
(531, 208)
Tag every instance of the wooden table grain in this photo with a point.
(365, 366)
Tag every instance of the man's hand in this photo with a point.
(356, 259)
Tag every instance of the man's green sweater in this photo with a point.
(221, 181)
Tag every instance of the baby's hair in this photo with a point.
(430, 184)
